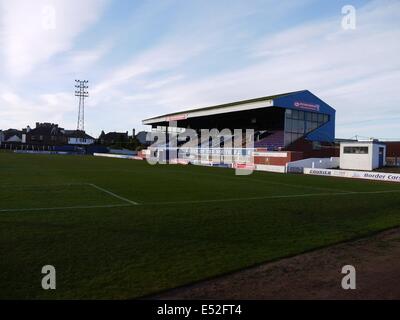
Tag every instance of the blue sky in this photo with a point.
(145, 58)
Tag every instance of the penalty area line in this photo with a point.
(113, 194)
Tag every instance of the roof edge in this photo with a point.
(229, 104)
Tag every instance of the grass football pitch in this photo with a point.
(122, 229)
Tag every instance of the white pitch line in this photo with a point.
(113, 194)
(41, 185)
(303, 195)
(66, 208)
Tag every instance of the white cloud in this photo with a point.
(19, 112)
(34, 31)
(11, 98)
(78, 60)
(357, 72)
(163, 82)
(164, 57)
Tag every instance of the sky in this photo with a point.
(147, 58)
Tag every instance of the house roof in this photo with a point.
(46, 130)
(77, 134)
(113, 135)
(11, 133)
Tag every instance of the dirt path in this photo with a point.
(314, 275)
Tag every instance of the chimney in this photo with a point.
(133, 132)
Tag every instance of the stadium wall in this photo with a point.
(368, 175)
(123, 151)
(45, 152)
(321, 163)
(393, 149)
(276, 158)
(311, 149)
(269, 168)
(119, 156)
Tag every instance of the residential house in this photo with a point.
(48, 134)
(78, 137)
(113, 138)
(12, 135)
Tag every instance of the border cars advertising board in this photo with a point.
(369, 175)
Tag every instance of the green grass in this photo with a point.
(181, 232)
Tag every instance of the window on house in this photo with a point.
(356, 150)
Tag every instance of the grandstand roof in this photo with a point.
(261, 102)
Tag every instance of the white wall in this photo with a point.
(352, 161)
(80, 141)
(119, 156)
(322, 163)
(270, 168)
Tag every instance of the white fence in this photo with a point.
(119, 156)
(369, 175)
(270, 168)
(321, 163)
